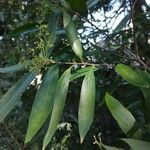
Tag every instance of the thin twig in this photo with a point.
(138, 59)
(82, 63)
(110, 51)
(135, 57)
(82, 17)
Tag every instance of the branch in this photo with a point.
(82, 63)
(138, 59)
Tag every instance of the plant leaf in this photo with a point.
(59, 103)
(131, 76)
(146, 93)
(92, 3)
(53, 25)
(87, 104)
(43, 102)
(72, 35)
(110, 147)
(137, 144)
(145, 75)
(123, 117)
(81, 72)
(11, 98)
(122, 24)
(25, 29)
(12, 69)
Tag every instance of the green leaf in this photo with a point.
(131, 76)
(122, 24)
(25, 29)
(146, 91)
(123, 117)
(11, 98)
(81, 72)
(72, 35)
(35, 146)
(146, 94)
(137, 144)
(91, 3)
(12, 69)
(53, 25)
(87, 104)
(79, 6)
(145, 75)
(43, 102)
(59, 103)
(110, 147)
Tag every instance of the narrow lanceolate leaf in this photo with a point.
(146, 91)
(81, 72)
(131, 76)
(12, 69)
(25, 29)
(72, 36)
(59, 103)
(137, 144)
(11, 98)
(122, 24)
(53, 25)
(123, 117)
(146, 103)
(87, 104)
(43, 102)
(146, 94)
(91, 4)
(144, 74)
(106, 147)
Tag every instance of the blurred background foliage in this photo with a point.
(111, 32)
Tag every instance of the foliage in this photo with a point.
(61, 68)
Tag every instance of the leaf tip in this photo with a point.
(81, 140)
(26, 141)
(45, 143)
(82, 137)
(107, 95)
(43, 148)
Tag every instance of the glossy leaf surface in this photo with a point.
(59, 103)
(109, 147)
(43, 102)
(146, 94)
(137, 144)
(72, 36)
(123, 117)
(11, 69)
(25, 29)
(81, 72)
(131, 76)
(11, 98)
(87, 104)
(53, 25)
